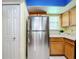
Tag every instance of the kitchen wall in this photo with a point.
(24, 17)
(53, 31)
(70, 30)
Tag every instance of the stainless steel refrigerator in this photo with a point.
(38, 35)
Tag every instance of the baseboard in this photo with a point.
(57, 55)
(60, 55)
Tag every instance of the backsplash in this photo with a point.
(54, 32)
(71, 30)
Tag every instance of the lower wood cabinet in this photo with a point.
(62, 46)
(70, 49)
(56, 46)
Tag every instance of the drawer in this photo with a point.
(56, 39)
(70, 41)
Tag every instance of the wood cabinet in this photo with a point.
(70, 49)
(73, 16)
(65, 19)
(56, 46)
(69, 18)
(62, 46)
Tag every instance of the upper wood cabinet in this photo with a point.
(69, 18)
(73, 16)
(65, 19)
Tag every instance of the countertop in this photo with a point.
(72, 37)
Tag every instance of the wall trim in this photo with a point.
(10, 3)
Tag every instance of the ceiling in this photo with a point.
(52, 8)
(47, 2)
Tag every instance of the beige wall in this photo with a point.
(24, 17)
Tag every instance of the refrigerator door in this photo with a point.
(38, 23)
(38, 36)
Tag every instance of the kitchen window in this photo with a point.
(54, 22)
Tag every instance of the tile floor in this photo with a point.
(57, 57)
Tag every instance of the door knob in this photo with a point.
(14, 38)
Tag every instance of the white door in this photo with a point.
(11, 32)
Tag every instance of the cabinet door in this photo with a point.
(65, 19)
(73, 16)
(69, 51)
(56, 48)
